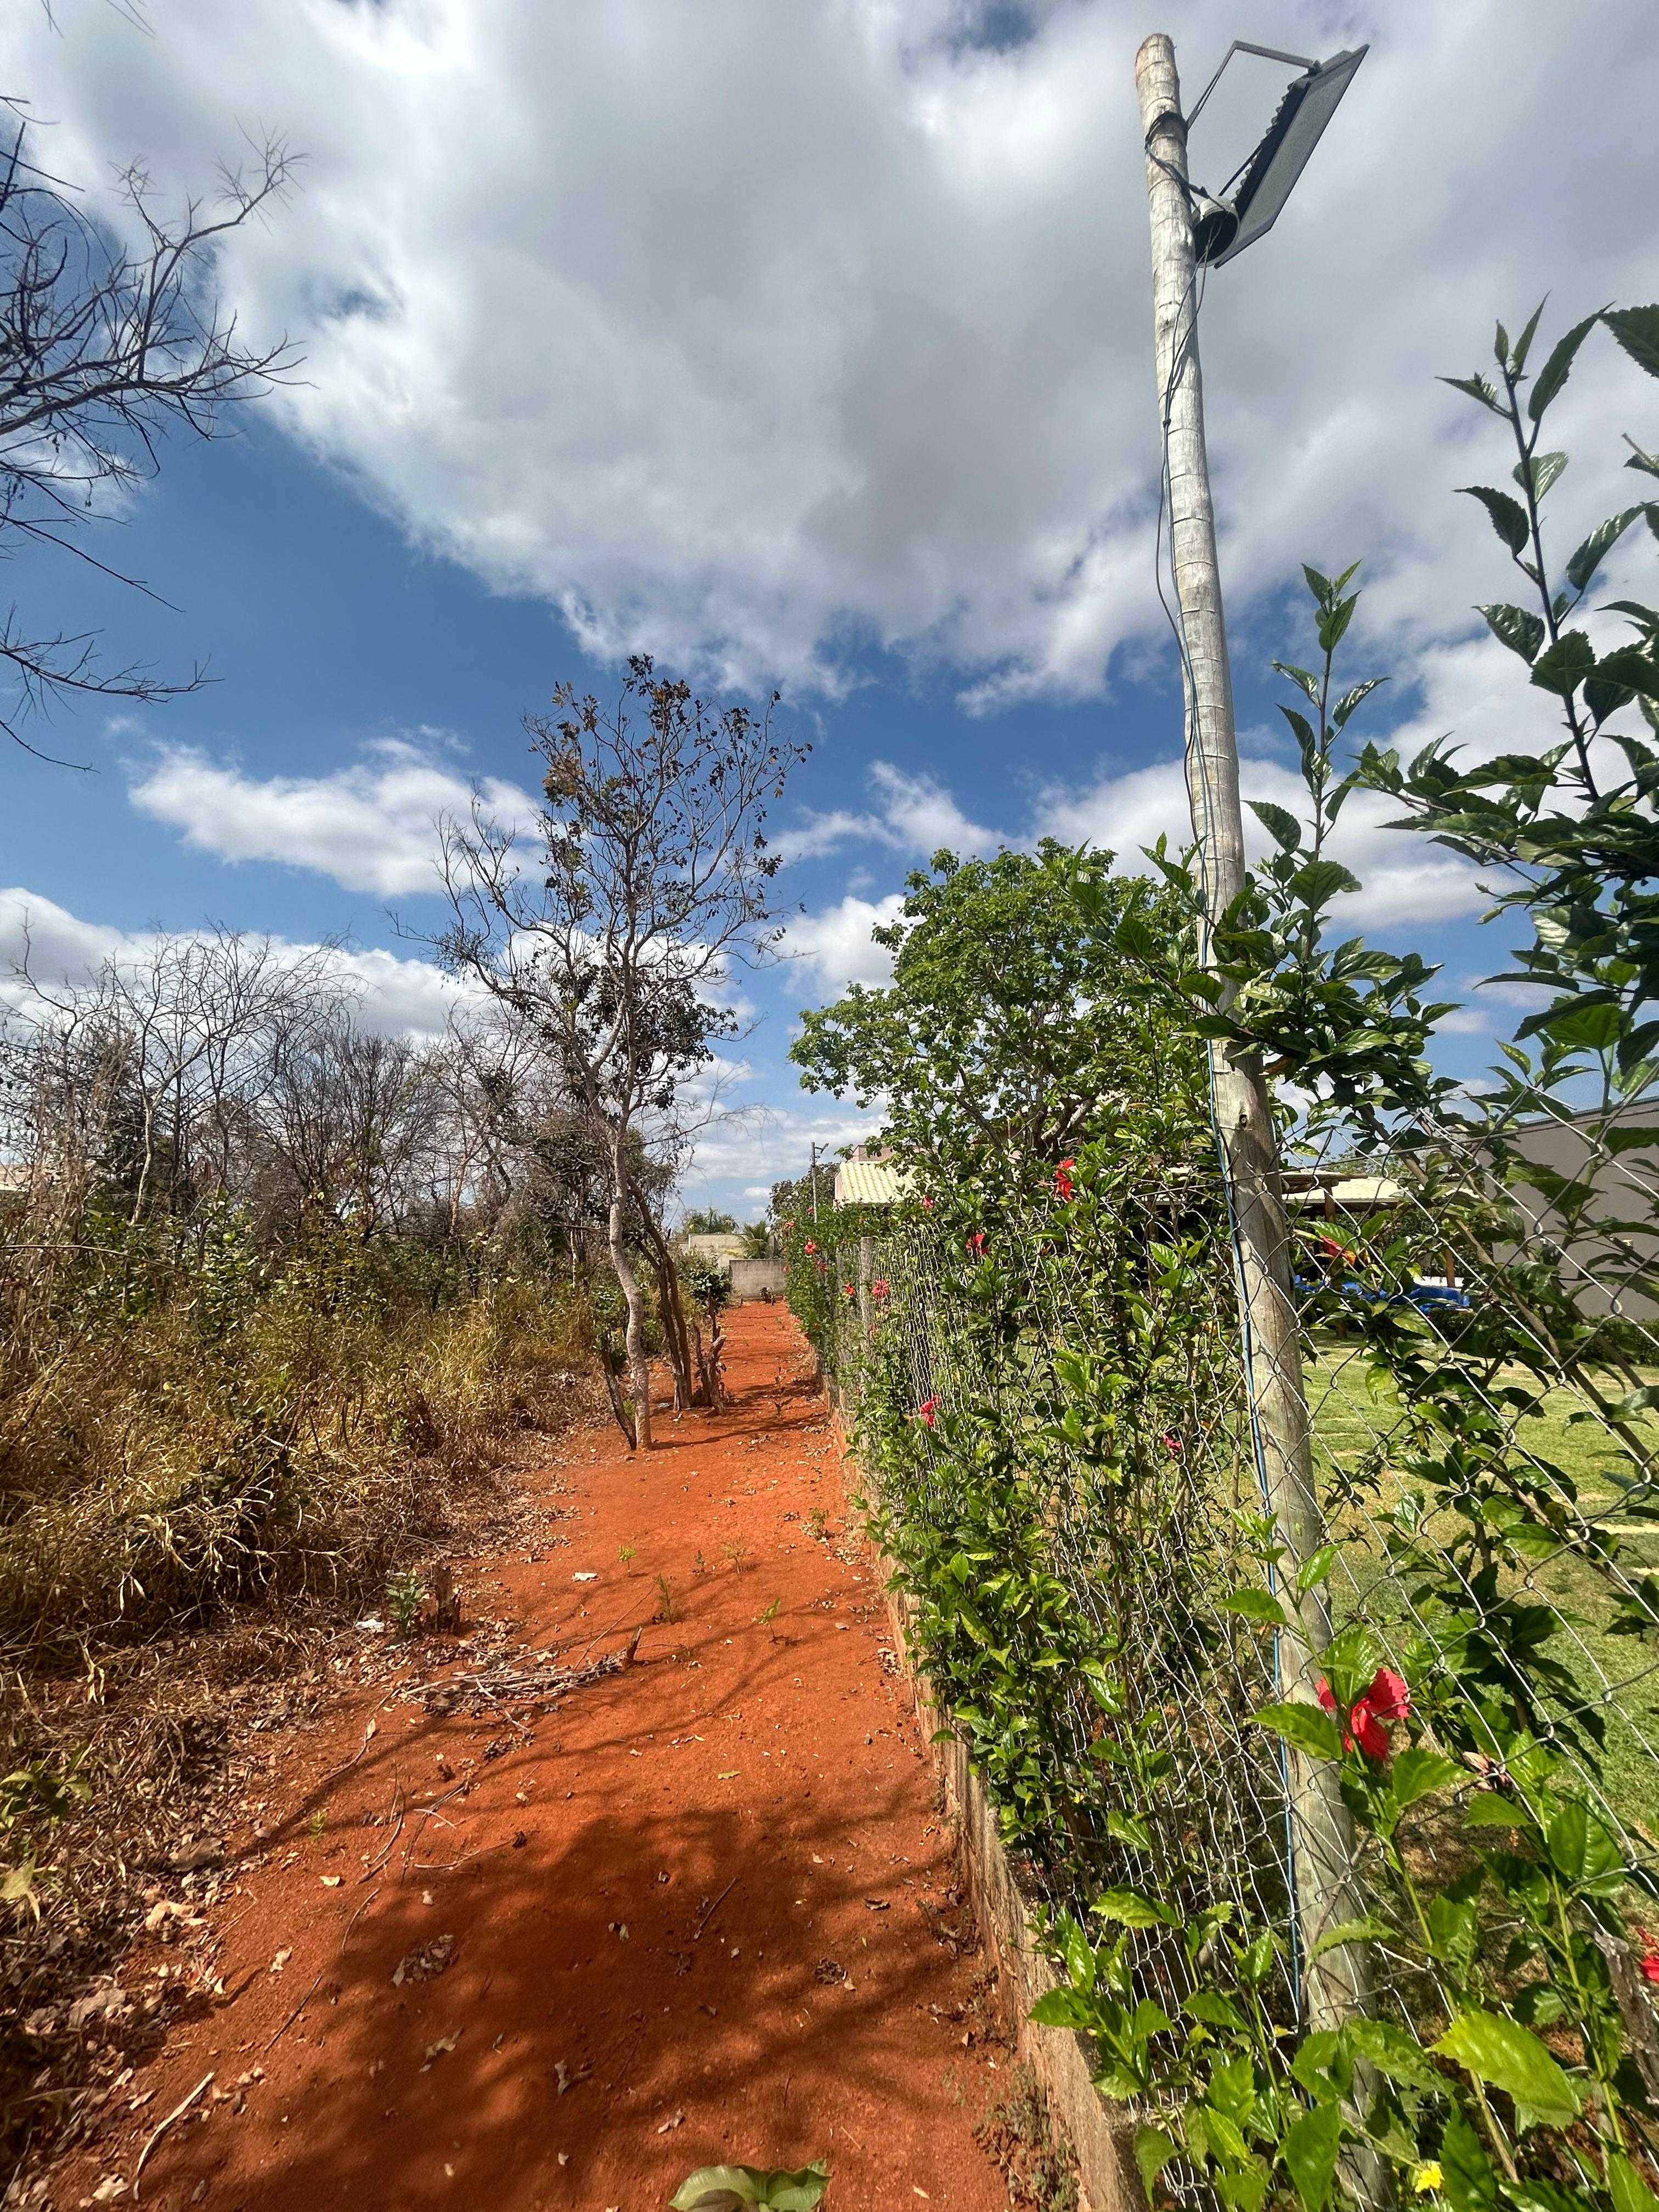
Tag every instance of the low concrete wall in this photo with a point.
(756, 1278)
(1101, 2134)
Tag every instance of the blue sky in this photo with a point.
(819, 355)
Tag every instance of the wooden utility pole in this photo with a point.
(1321, 1853)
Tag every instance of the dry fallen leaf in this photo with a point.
(422, 1964)
(567, 2079)
(667, 2127)
(330, 1880)
(440, 2049)
(281, 1960)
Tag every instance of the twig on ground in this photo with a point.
(177, 2113)
(709, 1911)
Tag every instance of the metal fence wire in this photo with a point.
(1472, 1256)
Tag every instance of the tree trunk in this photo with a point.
(677, 1337)
(639, 1373)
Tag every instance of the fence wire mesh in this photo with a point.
(1501, 1273)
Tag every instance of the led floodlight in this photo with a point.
(1225, 225)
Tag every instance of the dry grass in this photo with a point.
(205, 1473)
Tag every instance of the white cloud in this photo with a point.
(740, 1159)
(913, 814)
(756, 334)
(397, 996)
(370, 825)
(836, 945)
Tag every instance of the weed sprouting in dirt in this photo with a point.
(405, 1594)
(664, 1599)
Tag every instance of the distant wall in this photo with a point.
(756, 1278)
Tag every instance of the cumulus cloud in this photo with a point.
(836, 944)
(740, 1160)
(757, 335)
(911, 814)
(60, 950)
(369, 825)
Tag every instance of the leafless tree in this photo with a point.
(614, 935)
(104, 348)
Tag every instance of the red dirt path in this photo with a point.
(774, 1766)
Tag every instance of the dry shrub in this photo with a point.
(194, 1436)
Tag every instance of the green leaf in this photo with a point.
(729, 2188)
(1477, 388)
(1321, 880)
(1129, 1909)
(1418, 1773)
(1509, 517)
(1630, 2193)
(1256, 1605)
(1590, 1025)
(1063, 2009)
(798, 2191)
(1514, 627)
(1469, 2183)
(1304, 1727)
(1315, 1568)
(1124, 1828)
(1636, 330)
(1154, 2151)
(1491, 1810)
(1546, 468)
(1596, 547)
(1523, 344)
(1281, 825)
(1558, 367)
(1349, 1931)
(1392, 2052)
(1309, 2152)
(1511, 2058)
(1563, 666)
(1631, 669)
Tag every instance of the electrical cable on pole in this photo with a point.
(1189, 228)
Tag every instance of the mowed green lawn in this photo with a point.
(1623, 1670)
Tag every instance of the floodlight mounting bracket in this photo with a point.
(1226, 221)
(1264, 53)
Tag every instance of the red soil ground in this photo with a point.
(649, 1894)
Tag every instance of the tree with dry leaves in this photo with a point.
(111, 337)
(613, 926)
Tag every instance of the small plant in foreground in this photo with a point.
(405, 1594)
(664, 1598)
(817, 1524)
(736, 1555)
(624, 1554)
(735, 2188)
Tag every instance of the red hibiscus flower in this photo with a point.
(879, 1288)
(926, 1410)
(1171, 1443)
(1063, 1183)
(810, 1246)
(928, 1203)
(849, 1289)
(976, 1243)
(1386, 1697)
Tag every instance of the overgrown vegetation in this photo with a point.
(1432, 1980)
